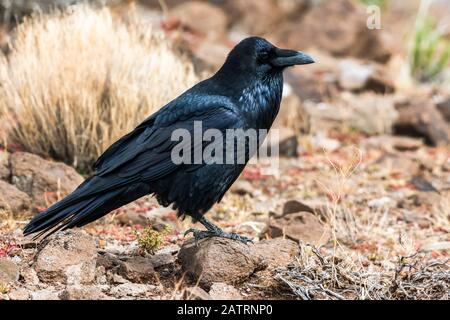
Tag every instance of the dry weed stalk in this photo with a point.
(75, 82)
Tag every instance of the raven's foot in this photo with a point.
(214, 231)
(200, 234)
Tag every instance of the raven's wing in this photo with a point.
(147, 149)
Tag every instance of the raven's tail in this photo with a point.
(82, 207)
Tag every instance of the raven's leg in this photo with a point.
(214, 231)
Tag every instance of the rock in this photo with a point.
(82, 292)
(242, 187)
(9, 272)
(223, 291)
(300, 226)
(203, 18)
(372, 114)
(436, 246)
(339, 27)
(355, 75)
(131, 289)
(45, 294)
(277, 252)
(281, 141)
(423, 184)
(425, 198)
(421, 118)
(195, 293)
(13, 200)
(107, 260)
(19, 294)
(162, 260)
(40, 178)
(293, 114)
(394, 143)
(29, 276)
(218, 260)
(293, 206)
(157, 218)
(444, 109)
(5, 171)
(322, 142)
(138, 270)
(254, 16)
(67, 257)
(131, 218)
(383, 202)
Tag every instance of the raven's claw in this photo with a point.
(200, 234)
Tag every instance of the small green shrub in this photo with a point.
(430, 53)
(150, 240)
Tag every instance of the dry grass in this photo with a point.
(75, 82)
(319, 276)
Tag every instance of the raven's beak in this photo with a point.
(288, 58)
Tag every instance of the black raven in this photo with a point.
(244, 94)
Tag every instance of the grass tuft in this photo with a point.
(74, 82)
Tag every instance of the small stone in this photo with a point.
(29, 276)
(294, 206)
(320, 141)
(9, 272)
(44, 294)
(130, 289)
(195, 293)
(242, 187)
(82, 292)
(162, 260)
(138, 270)
(19, 294)
(300, 226)
(223, 291)
(277, 252)
(383, 202)
(436, 246)
(354, 75)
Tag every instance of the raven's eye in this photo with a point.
(264, 56)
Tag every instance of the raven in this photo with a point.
(244, 94)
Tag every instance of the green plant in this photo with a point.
(150, 240)
(380, 3)
(430, 52)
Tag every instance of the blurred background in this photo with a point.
(365, 132)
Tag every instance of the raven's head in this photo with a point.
(259, 57)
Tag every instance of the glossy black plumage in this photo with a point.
(245, 93)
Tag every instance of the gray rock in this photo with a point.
(9, 272)
(82, 292)
(5, 171)
(131, 289)
(218, 260)
(40, 178)
(13, 200)
(19, 294)
(67, 257)
(299, 226)
(45, 294)
(138, 270)
(223, 291)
